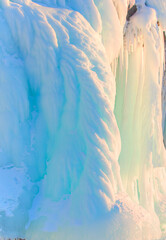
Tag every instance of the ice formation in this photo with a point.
(81, 134)
(142, 159)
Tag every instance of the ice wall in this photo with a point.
(164, 99)
(138, 111)
(67, 143)
(59, 144)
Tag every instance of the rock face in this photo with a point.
(131, 12)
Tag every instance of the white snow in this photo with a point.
(160, 7)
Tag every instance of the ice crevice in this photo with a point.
(81, 132)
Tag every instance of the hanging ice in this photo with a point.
(138, 111)
(61, 177)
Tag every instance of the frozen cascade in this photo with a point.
(60, 178)
(139, 113)
(65, 74)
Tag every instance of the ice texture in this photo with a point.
(160, 7)
(81, 135)
(139, 113)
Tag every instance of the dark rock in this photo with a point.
(131, 12)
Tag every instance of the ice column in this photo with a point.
(138, 105)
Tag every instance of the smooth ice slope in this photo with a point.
(59, 141)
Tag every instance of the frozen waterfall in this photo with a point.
(82, 120)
